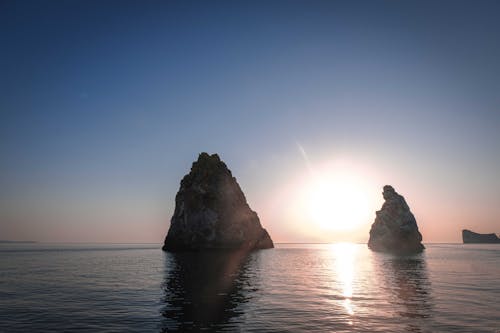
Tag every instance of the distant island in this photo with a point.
(473, 237)
(15, 241)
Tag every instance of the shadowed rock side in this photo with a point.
(211, 212)
(473, 237)
(395, 228)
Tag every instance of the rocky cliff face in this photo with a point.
(211, 212)
(395, 228)
(473, 237)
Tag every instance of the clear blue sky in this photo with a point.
(104, 105)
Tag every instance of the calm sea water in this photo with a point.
(296, 288)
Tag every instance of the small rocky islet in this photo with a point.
(395, 228)
(471, 237)
(211, 212)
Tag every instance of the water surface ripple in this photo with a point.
(293, 288)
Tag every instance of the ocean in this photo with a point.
(339, 287)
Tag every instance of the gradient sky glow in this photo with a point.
(105, 104)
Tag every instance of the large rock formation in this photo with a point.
(395, 228)
(473, 237)
(211, 212)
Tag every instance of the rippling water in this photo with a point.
(300, 288)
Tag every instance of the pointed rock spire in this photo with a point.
(395, 228)
(211, 212)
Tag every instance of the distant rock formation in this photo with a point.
(211, 212)
(395, 228)
(473, 237)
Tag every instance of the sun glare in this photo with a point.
(338, 201)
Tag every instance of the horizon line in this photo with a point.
(159, 243)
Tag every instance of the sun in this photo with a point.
(338, 201)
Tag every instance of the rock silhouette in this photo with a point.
(211, 212)
(473, 237)
(395, 228)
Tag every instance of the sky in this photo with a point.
(105, 104)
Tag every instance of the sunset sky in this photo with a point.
(105, 104)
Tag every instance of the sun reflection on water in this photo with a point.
(345, 254)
